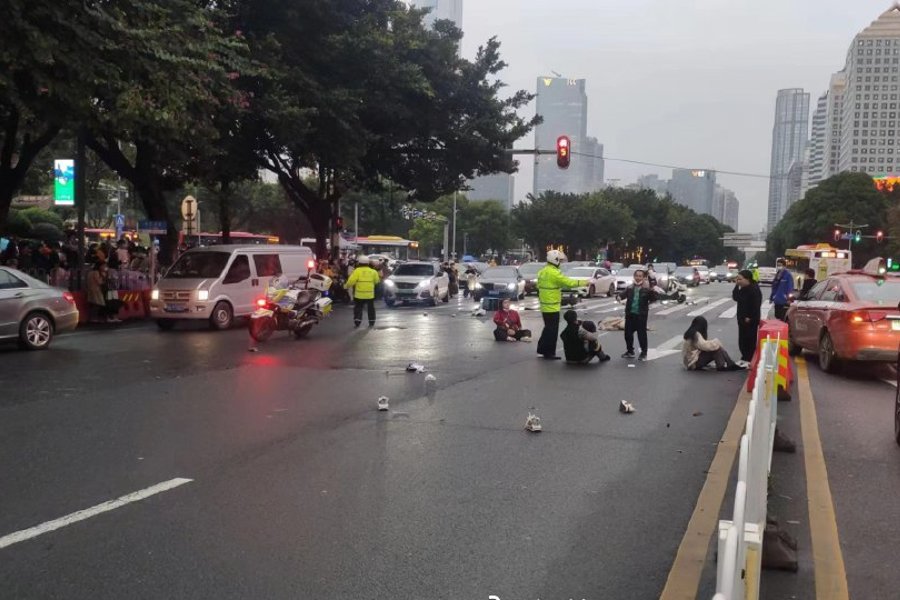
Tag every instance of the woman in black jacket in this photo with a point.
(749, 300)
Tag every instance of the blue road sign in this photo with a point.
(158, 225)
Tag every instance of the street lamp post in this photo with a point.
(455, 194)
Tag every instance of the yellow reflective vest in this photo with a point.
(550, 282)
(363, 280)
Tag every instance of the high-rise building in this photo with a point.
(796, 175)
(592, 165)
(817, 139)
(499, 187)
(563, 105)
(732, 208)
(868, 134)
(789, 137)
(694, 188)
(833, 126)
(653, 182)
(450, 10)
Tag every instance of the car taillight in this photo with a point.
(69, 297)
(862, 316)
(261, 303)
(311, 265)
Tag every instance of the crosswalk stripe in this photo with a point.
(708, 307)
(672, 344)
(730, 313)
(679, 307)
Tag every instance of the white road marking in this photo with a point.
(708, 307)
(654, 353)
(81, 515)
(730, 313)
(890, 382)
(674, 309)
(672, 344)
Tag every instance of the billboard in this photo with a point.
(64, 182)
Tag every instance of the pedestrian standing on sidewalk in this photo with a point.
(782, 288)
(749, 300)
(550, 282)
(638, 297)
(363, 281)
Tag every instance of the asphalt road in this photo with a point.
(299, 488)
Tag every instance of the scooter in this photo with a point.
(675, 291)
(295, 309)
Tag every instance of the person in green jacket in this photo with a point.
(550, 282)
(363, 281)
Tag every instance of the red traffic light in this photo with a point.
(563, 151)
(837, 235)
(879, 236)
(339, 223)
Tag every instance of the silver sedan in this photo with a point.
(32, 311)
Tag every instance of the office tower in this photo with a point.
(592, 165)
(694, 188)
(653, 182)
(868, 131)
(499, 187)
(790, 134)
(834, 125)
(817, 141)
(732, 208)
(563, 105)
(450, 10)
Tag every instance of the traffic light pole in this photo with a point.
(851, 226)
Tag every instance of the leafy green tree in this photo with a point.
(36, 215)
(842, 198)
(430, 235)
(16, 224)
(485, 226)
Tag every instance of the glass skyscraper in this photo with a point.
(563, 105)
(789, 138)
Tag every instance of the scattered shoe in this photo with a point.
(383, 403)
(628, 354)
(626, 407)
(415, 368)
(525, 339)
(533, 423)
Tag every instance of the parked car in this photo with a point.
(500, 282)
(624, 278)
(689, 276)
(722, 274)
(705, 275)
(529, 272)
(599, 281)
(417, 282)
(847, 317)
(32, 312)
(615, 267)
(221, 283)
(766, 275)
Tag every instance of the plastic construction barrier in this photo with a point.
(775, 330)
(135, 305)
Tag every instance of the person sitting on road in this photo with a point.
(509, 325)
(697, 351)
(581, 342)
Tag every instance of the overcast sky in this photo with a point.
(681, 82)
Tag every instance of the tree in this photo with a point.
(430, 235)
(361, 93)
(842, 198)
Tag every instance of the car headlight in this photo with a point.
(511, 286)
(203, 295)
(154, 295)
(388, 283)
(422, 285)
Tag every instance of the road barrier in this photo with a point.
(741, 538)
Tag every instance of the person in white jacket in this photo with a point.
(697, 351)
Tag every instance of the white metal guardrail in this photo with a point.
(741, 538)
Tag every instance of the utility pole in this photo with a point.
(851, 226)
(455, 194)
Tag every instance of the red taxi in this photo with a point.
(851, 316)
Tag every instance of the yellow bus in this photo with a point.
(824, 259)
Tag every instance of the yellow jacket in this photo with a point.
(363, 279)
(550, 282)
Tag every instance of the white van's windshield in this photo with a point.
(198, 265)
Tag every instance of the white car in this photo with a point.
(417, 282)
(599, 282)
(705, 275)
(624, 278)
(766, 275)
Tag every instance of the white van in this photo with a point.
(219, 283)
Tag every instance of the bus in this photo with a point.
(388, 245)
(824, 259)
(93, 235)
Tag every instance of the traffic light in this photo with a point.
(339, 223)
(879, 236)
(837, 235)
(858, 237)
(563, 151)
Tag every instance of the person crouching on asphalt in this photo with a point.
(581, 342)
(509, 325)
(363, 281)
(782, 288)
(550, 282)
(697, 351)
(638, 297)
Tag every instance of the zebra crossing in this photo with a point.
(711, 308)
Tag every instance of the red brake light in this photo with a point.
(864, 316)
(261, 302)
(311, 265)
(69, 297)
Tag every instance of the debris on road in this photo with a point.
(632, 366)
(533, 423)
(415, 368)
(697, 414)
(430, 378)
(383, 403)
(626, 406)
(253, 349)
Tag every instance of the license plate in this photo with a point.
(895, 325)
(493, 294)
(406, 293)
(176, 308)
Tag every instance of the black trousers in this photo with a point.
(501, 334)
(747, 338)
(720, 357)
(547, 343)
(358, 308)
(636, 324)
(781, 312)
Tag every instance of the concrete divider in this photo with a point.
(741, 539)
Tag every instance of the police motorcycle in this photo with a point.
(288, 306)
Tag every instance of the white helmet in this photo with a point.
(362, 259)
(556, 257)
(374, 261)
